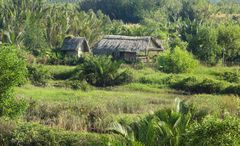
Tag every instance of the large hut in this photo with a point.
(75, 46)
(129, 49)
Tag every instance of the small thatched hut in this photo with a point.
(128, 48)
(75, 46)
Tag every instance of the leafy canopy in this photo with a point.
(12, 73)
(176, 61)
(101, 71)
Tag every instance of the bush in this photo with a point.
(12, 73)
(232, 77)
(34, 134)
(6, 129)
(210, 86)
(176, 61)
(213, 131)
(102, 72)
(76, 84)
(63, 75)
(187, 84)
(38, 75)
(233, 89)
(60, 58)
(196, 85)
(161, 79)
(165, 127)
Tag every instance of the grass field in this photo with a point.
(138, 98)
(58, 113)
(130, 100)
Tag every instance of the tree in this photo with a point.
(229, 40)
(203, 44)
(12, 73)
(164, 127)
(34, 38)
(156, 24)
(101, 71)
(120, 9)
(171, 8)
(176, 61)
(196, 9)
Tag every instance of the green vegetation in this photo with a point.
(165, 127)
(101, 72)
(12, 73)
(187, 95)
(126, 111)
(226, 132)
(35, 134)
(176, 61)
(209, 30)
(37, 75)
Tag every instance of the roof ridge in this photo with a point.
(122, 37)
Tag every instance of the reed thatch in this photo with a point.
(115, 43)
(75, 44)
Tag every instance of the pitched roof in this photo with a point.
(111, 43)
(73, 44)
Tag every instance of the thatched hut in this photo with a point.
(75, 46)
(128, 48)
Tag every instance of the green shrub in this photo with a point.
(196, 85)
(74, 84)
(6, 129)
(83, 85)
(165, 127)
(59, 72)
(214, 132)
(209, 86)
(161, 79)
(29, 134)
(64, 75)
(12, 73)
(232, 77)
(102, 71)
(60, 58)
(176, 61)
(187, 84)
(233, 89)
(38, 75)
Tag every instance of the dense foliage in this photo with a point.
(208, 29)
(120, 9)
(102, 71)
(40, 28)
(196, 85)
(38, 75)
(96, 112)
(176, 61)
(165, 127)
(229, 39)
(35, 134)
(12, 73)
(226, 132)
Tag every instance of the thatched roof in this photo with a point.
(112, 43)
(74, 43)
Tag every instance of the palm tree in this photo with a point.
(101, 71)
(165, 128)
